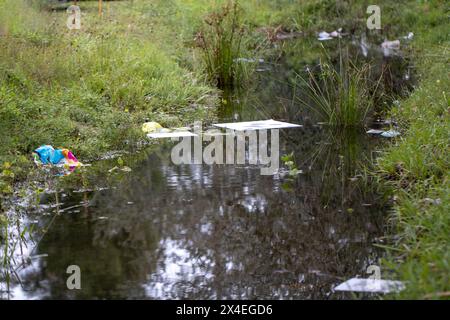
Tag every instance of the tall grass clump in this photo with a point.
(220, 41)
(342, 96)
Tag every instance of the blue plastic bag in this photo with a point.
(48, 155)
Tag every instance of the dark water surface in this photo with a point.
(213, 231)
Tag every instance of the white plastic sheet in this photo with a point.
(370, 285)
(257, 125)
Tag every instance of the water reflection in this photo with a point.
(221, 231)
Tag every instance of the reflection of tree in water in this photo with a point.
(112, 255)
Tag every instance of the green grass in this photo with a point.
(88, 90)
(342, 96)
(417, 170)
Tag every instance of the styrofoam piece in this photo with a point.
(374, 131)
(370, 285)
(390, 134)
(257, 125)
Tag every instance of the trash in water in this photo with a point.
(391, 44)
(386, 134)
(410, 36)
(247, 60)
(323, 35)
(63, 158)
(364, 46)
(256, 125)
(375, 131)
(390, 134)
(390, 47)
(151, 127)
(46, 154)
(370, 285)
(176, 134)
(263, 69)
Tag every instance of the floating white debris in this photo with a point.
(364, 46)
(328, 36)
(391, 44)
(176, 134)
(256, 125)
(263, 69)
(335, 34)
(370, 285)
(390, 134)
(374, 131)
(386, 134)
(410, 36)
(324, 36)
(390, 47)
(247, 60)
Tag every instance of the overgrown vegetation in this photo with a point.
(343, 96)
(220, 41)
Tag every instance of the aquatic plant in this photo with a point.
(342, 96)
(220, 43)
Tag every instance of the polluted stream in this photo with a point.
(199, 231)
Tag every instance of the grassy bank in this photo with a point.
(417, 170)
(89, 89)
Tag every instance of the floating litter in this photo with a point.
(390, 47)
(410, 36)
(151, 127)
(391, 44)
(375, 131)
(328, 36)
(390, 134)
(370, 285)
(158, 135)
(324, 36)
(385, 134)
(257, 125)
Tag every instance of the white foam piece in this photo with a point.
(370, 285)
(374, 131)
(176, 134)
(390, 134)
(256, 125)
